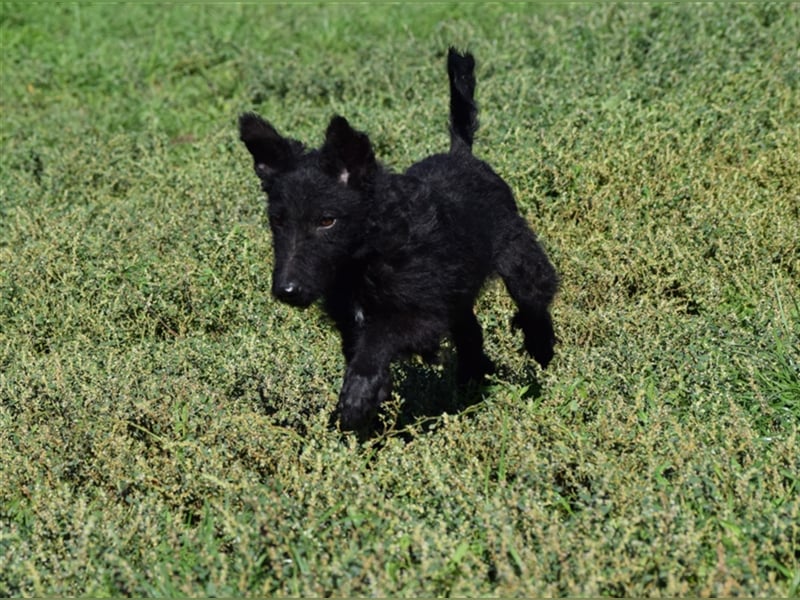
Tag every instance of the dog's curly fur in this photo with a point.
(399, 259)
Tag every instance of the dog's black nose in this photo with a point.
(287, 291)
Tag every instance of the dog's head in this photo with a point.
(318, 202)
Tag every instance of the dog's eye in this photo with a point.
(275, 220)
(326, 222)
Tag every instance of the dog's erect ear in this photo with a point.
(347, 154)
(272, 153)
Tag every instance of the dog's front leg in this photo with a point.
(365, 387)
(375, 344)
(369, 347)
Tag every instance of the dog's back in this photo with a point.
(471, 193)
(464, 185)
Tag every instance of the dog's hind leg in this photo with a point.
(473, 364)
(532, 282)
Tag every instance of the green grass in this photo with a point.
(164, 423)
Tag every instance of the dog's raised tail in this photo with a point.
(463, 109)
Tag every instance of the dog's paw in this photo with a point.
(539, 336)
(360, 398)
(541, 350)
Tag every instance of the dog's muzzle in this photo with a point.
(289, 292)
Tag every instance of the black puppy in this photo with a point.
(398, 260)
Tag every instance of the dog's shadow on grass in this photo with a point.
(423, 392)
(427, 392)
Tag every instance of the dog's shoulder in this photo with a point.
(403, 210)
(400, 198)
(402, 191)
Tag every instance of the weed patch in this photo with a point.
(165, 422)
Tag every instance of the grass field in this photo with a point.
(164, 422)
